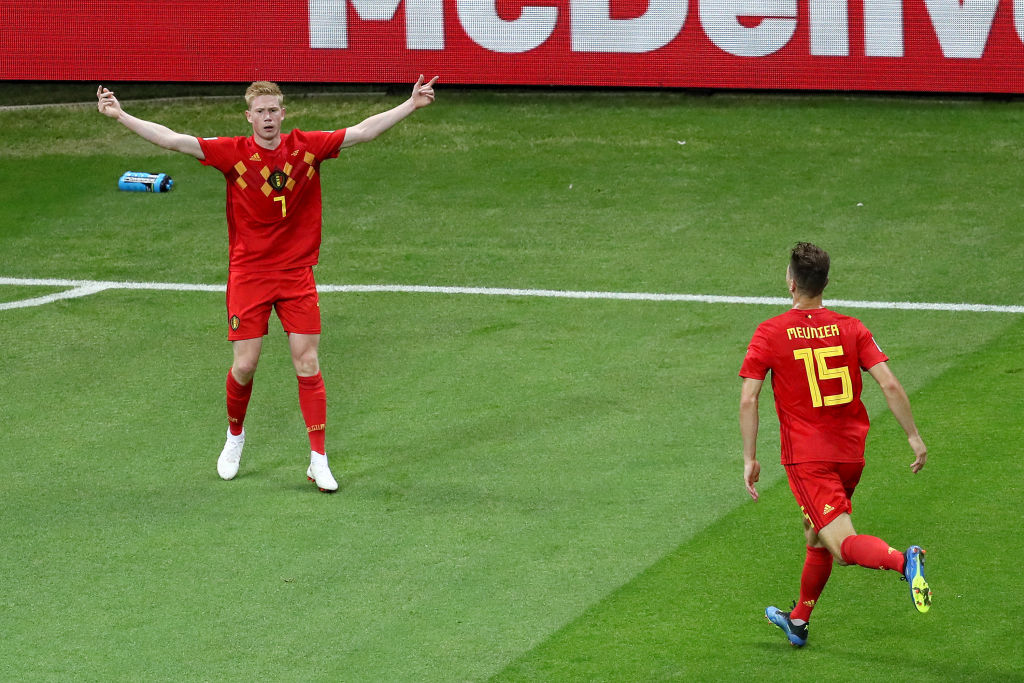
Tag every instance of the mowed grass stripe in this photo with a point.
(697, 614)
(506, 463)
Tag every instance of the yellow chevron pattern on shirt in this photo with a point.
(265, 172)
(240, 169)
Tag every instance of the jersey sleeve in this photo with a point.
(217, 152)
(868, 350)
(325, 144)
(757, 362)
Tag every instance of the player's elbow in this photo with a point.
(894, 393)
(185, 144)
(891, 386)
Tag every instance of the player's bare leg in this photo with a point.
(246, 353)
(305, 350)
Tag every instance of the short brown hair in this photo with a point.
(808, 266)
(262, 88)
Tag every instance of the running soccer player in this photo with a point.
(274, 217)
(815, 357)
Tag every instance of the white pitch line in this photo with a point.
(85, 290)
(81, 288)
(110, 284)
(553, 293)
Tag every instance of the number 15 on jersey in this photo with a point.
(815, 362)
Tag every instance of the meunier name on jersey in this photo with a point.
(812, 332)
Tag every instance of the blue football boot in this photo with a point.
(797, 634)
(913, 573)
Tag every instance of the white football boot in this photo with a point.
(320, 474)
(227, 463)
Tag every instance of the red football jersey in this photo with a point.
(815, 358)
(273, 197)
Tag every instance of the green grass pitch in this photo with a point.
(531, 488)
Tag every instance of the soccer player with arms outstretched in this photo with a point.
(274, 217)
(815, 357)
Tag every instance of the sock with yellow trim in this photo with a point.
(871, 552)
(313, 403)
(817, 569)
(238, 396)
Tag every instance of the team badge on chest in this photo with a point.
(277, 180)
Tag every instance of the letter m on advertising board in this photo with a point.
(424, 21)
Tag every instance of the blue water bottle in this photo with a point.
(134, 181)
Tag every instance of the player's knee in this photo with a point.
(243, 369)
(835, 546)
(306, 364)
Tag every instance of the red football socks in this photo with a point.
(871, 552)
(313, 403)
(238, 401)
(817, 569)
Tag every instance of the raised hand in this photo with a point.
(422, 95)
(108, 104)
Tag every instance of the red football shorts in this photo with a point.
(824, 489)
(291, 293)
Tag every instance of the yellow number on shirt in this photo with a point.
(284, 209)
(817, 368)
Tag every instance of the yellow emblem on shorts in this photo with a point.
(235, 322)
(828, 509)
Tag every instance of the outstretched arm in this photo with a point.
(899, 404)
(159, 135)
(749, 393)
(368, 129)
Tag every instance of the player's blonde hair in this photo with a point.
(262, 88)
